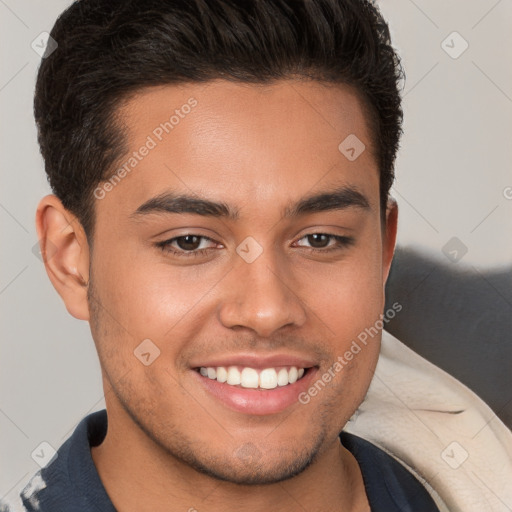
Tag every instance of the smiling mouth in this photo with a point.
(252, 378)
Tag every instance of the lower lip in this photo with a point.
(257, 401)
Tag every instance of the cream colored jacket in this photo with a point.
(439, 429)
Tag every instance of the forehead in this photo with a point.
(250, 142)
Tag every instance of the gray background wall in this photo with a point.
(454, 179)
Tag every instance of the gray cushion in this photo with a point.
(458, 317)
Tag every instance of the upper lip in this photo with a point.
(259, 361)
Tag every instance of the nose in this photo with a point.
(260, 296)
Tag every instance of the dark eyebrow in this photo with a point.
(169, 202)
(338, 199)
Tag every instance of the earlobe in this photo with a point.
(65, 252)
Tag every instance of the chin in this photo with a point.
(247, 465)
(244, 470)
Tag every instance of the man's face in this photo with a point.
(260, 289)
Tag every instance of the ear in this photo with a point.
(389, 237)
(65, 253)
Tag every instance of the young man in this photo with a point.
(221, 218)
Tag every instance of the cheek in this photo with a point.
(347, 296)
(140, 290)
(348, 302)
(148, 298)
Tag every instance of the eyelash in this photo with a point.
(165, 245)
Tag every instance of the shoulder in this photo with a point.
(44, 489)
(70, 481)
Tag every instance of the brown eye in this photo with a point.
(187, 245)
(319, 240)
(324, 242)
(188, 242)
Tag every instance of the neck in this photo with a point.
(147, 477)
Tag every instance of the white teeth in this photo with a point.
(233, 376)
(249, 378)
(222, 374)
(269, 378)
(282, 377)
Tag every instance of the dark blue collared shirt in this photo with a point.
(71, 482)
